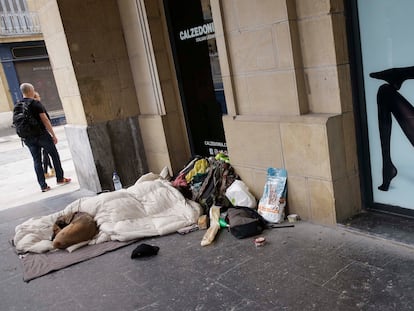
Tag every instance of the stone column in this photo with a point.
(88, 54)
(287, 84)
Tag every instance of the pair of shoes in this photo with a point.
(47, 188)
(63, 181)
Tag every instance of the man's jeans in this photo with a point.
(35, 145)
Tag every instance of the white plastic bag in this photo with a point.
(239, 195)
(272, 203)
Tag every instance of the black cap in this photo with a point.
(144, 250)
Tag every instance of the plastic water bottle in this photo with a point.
(117, 181)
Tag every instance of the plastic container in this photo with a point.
(293, 218)
(260, 241)
(223, 223)
(117, 181)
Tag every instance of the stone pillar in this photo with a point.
(161, 117)
(88, 54)
(287, 84)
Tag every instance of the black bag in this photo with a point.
(245, 222)
(24, 121)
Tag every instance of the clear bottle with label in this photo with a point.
(117, 181)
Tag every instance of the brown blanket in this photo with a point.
(36, 265)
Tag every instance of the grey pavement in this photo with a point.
(18, 183)
(307, 267)
(6, 124)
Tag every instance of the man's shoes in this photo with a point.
(47, 188)
(64, 181)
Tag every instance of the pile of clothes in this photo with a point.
(225, 199)
(205, 180)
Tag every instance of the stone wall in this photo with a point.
(286, 65)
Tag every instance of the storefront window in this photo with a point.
(388, 73)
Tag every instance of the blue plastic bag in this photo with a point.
(273, 201)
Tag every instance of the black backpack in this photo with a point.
(245, 222)
(26, 124)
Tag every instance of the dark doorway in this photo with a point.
(39, 73)
(196, 60)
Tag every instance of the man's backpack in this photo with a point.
(24, 121)
(245, 222)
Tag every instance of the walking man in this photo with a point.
(46, 139)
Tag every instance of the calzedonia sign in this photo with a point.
(200, 33)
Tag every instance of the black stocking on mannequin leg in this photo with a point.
(391, 102)
(385, 125)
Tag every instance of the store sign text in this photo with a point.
(201, 33)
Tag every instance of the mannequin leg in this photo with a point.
(391, 102)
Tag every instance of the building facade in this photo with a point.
(24, 58)
(148, 83)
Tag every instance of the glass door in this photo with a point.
(192, 37)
